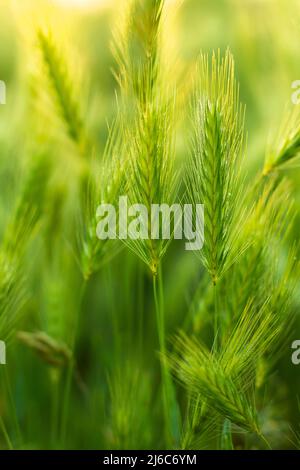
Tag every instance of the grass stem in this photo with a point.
(5, 434)
(160, 323)
(169, 402)
(12, 405)
(70, 371)
(55, 384)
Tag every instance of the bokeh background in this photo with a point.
(116, 387)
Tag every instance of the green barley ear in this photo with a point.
(201, 426)
(284, 152)
(214, 168)
(136, 45)
(231, 371)
(62, 83)
(204, 375)
(27, 214)
(106, 184)
(12, 295)
(153, 177)
(255, 334)
(150, 129)
(30, 205)
(268, 223)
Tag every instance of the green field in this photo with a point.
(142, 343)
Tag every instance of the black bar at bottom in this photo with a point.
(152, 459)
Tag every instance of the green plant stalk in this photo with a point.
(71, 366)
(55, 384)
(216, 314)
(5, 434)
(169, 401)
(264, 440)
(12, 404)
(184, 444)
(141, 294)
(226, 436)
(114, 313)
(160, 323)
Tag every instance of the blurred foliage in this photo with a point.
(112, 365)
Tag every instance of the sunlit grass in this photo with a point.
(84, 4)
(99, 338)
